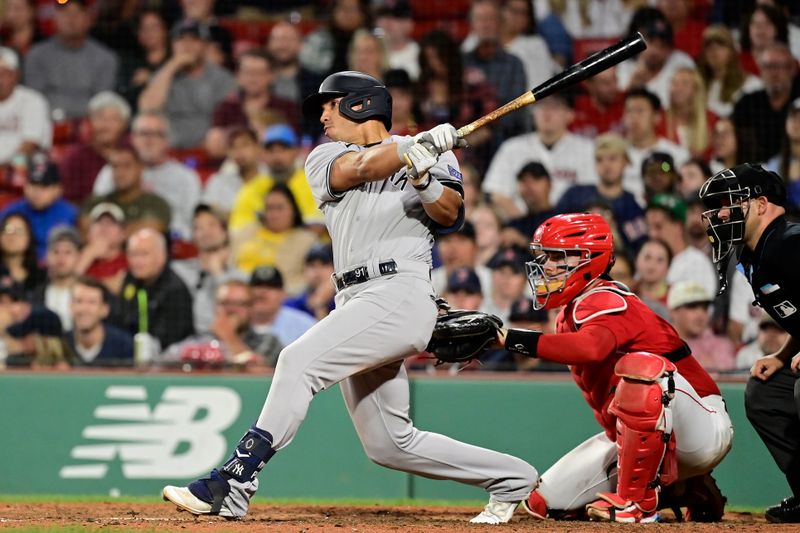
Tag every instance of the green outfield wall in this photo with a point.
(129, 434)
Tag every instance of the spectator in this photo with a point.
(502, 70)
(508, 281)
(279, 240)
(231, 340)
(18, 252)
(291, 80)
(94, 342)
(253, 98)
(325, 50)
(463, 289)
(163, 175)
(487, 224)
(405, 108)
(270, 316)
(691, 176)
(187, 87)
(71, 67)
(611, 158)
(63, 253)
(25, 126)
(141, 208)
(765, 26)
(771, 337)
(659, 175)
(583, 20)
(35, 339)
(687, 30)
(654, 67)
(394, 19)
(154, 299)
(641, 116)
(650, 281)
(459, 249)
(688, 304)
(103, 257)
(787, 162)
(724, 146)
(367, 54)
(688, 122)
(280, 155)
(760, 117)
(220, 47)
(317, 298)
(666, 218)
(568, 158)
(242, 166)
(204, 274)
(719, 66)
(518, 36)
(150, 52)
(42, 204)
(448, 92)
(18, 28)
(109, 114)
(533, 186)
(600, 109)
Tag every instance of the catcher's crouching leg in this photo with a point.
(645, 444)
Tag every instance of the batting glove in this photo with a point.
(421, 160)
(440, 139)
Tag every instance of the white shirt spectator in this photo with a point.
(660, 84)
(724, 109)
(607, 18)
(531, 50)
(570, 161)
(741, 308)
(24, 116)
(175, 182)
(632, 179)
(406, 58)
(59, 300)
(693, 265)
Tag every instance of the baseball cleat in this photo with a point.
(185, 500)
(496, 512)
(604, 511)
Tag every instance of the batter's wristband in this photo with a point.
(432, 191)
(522, 341)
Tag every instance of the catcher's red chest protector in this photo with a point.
(637, 329)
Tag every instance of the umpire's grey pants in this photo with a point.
(362, 344)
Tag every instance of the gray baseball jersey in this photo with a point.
(375, 325)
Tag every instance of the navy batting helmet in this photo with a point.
(355, 89)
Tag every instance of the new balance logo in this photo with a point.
(180, 437)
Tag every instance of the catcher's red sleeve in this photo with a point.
(590, 344)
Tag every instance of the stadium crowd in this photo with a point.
(155, 209)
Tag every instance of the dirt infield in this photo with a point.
(117, 516)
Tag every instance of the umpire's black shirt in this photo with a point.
(773, 270)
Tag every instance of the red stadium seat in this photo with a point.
(439, 9)
(458, 29)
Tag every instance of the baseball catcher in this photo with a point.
(664, 421)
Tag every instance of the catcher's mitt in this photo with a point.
(460, 336)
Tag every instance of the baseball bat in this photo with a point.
(594, 64)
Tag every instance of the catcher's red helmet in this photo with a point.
(570, 251)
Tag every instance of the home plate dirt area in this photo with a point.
(118, 516)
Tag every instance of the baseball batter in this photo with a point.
(664, 422)
(381, 221)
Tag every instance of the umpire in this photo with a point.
(746, 221)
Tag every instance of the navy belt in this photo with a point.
(361, 274)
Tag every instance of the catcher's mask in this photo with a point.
(570, 251)
(726, 196)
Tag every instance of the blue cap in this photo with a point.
(513, 257)
(464, 279)
(41, 320)
(280, 133)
